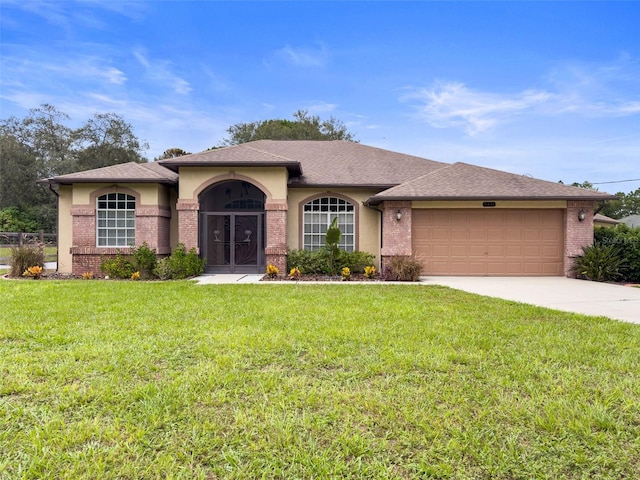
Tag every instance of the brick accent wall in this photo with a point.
(188, 224)
(276, 235)
(578, 233)
(152, 226)
(396, 235)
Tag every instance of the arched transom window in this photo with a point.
(116, 220)
(317, 217)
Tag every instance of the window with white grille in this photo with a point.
(116, 220)
(317, 217)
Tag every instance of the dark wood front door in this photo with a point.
(233, 242)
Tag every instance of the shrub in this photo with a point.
(24, 257)
(35, 272)
(117, 267)
(309, 261)
(163, 269)
(356, 261)
(144, 260)
(626, 240)
(295, 273)
(403, 269)
(181, 264)
(369, 271)
(598, 262)
(272, 271)
(135, 276)
(345, 273)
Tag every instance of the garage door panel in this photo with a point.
(489, 242)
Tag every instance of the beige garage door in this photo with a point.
(489, 242)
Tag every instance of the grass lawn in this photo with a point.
(133, 380)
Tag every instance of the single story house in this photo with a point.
(600, 220)
(242, 207)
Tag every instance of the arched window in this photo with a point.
(317, 217)
(116, 220)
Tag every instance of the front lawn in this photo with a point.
(133, 380)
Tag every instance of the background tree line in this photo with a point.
(41, 146)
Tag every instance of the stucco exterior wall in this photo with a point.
(368, 219)
(65, 228)
(271, 180)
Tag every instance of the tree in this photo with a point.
(105, 140)
(171, 153)
(626, 204)
(304, 127)
(42, 146)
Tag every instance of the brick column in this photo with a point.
(396, 234)
(152, 226)
(276, 235)
(188, 224)
(578, 233)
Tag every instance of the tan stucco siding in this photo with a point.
(499, 204)
(65, 229)
(271, 180)
(150, 193)
(368, 228)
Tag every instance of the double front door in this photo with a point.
(233, 242)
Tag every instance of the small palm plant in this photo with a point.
(600, 263)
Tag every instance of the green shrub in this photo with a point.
(181, 264)
(355, 261)
(599, 263)
(26, 256)
(117, 267)
(144, 260)
(403, 269)
(309, 261)
(626, 240)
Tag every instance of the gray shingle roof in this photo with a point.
(130, 172)
(463, 181)
(319, 163)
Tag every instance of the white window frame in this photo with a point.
(317, 216)
(115, 220)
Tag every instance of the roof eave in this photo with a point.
(377, 199)
(294, 168)
(54, 181)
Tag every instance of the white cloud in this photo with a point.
(304, 56)
(160, 72)
(452, 104)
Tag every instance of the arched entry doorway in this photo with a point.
(232, 228)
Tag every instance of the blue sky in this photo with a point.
(547, 89)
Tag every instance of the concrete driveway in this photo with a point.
(579, 296)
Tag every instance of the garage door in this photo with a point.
(489, 242)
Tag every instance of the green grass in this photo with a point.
(174, 380)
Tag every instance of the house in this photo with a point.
(632, 221)
(241, 207)
(600, 220)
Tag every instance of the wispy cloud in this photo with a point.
(304, 56)
(160, 71)
(586, 90)
(452, 104)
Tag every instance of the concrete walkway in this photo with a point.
(578, 296)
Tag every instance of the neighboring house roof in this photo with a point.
(631, 220)
(318, 162)
(599, 218)
(461, 180)
(130, 172)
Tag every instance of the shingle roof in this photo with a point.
(124, 172)
(319, 163)
(463, 181)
